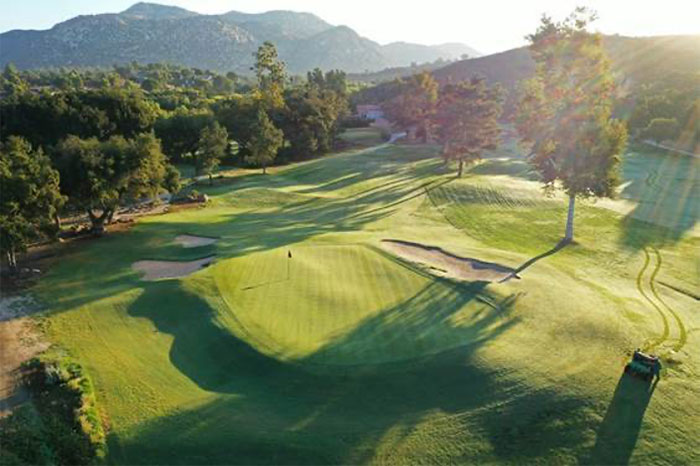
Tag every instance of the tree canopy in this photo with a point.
(565, 111)
(415, 104)
(98, 176)
(213, 141)
(265, 141)
(467, 117)
(30, 196)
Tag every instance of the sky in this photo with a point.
(489, 26)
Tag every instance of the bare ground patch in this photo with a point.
(158, 270)
(192, 241)
(447, 264)
(19, 342)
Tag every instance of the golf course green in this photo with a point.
(348, 353)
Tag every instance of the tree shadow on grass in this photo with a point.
(558, 247)
(103, 268)
(617, 434)
(338, 404)
(322, 409)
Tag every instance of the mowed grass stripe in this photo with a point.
(294, 317)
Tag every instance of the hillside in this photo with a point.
(639, 59)
(151, 33)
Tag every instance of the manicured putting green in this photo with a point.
(332, 305)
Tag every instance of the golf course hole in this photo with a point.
(192, 241)
(447, 264)
(157, 270)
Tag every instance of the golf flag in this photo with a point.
(289, 254)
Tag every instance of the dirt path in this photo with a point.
(19, 341)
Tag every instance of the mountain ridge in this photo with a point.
(150, 33)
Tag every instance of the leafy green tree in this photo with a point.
(181, 131)
(30, 196)
(222, 84)
(467, 117)
(213, 142)
(49, 117)
(416, 104)
(565, 112)
(311, 116)
(271, 76)
(661, 129)
(98, 176)
(238, 114)
(12, 82)
(265, 141)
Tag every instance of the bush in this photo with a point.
(61, 425)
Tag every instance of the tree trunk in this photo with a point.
(12, 261)
(264, 169)
(98, 222)
(211, 180)
(461, 168)
(57, 221)
(569, 236)
(110, 217)
(426, 130)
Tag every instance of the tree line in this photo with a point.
(80, 149)
(564, 113)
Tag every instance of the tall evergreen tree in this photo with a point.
(270, 75)
(213, 142)
(265, 141)
(565, 112)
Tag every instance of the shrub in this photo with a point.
(62, 424)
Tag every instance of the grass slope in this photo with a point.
(359, 357)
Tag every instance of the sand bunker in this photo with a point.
(446, 264)
(192, 241)
(157, 270)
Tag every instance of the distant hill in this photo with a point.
(403, 53)
(151, 33)
(634, 60)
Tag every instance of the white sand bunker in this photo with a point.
(447, 264)
(192, 241)
(157, 270)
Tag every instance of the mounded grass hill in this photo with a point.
(353, 355)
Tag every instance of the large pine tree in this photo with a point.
(565, 112)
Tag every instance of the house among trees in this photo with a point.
(370, 112)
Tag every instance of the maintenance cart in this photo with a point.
(643, 365)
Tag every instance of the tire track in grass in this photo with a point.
(640, 288)
(683, 335)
